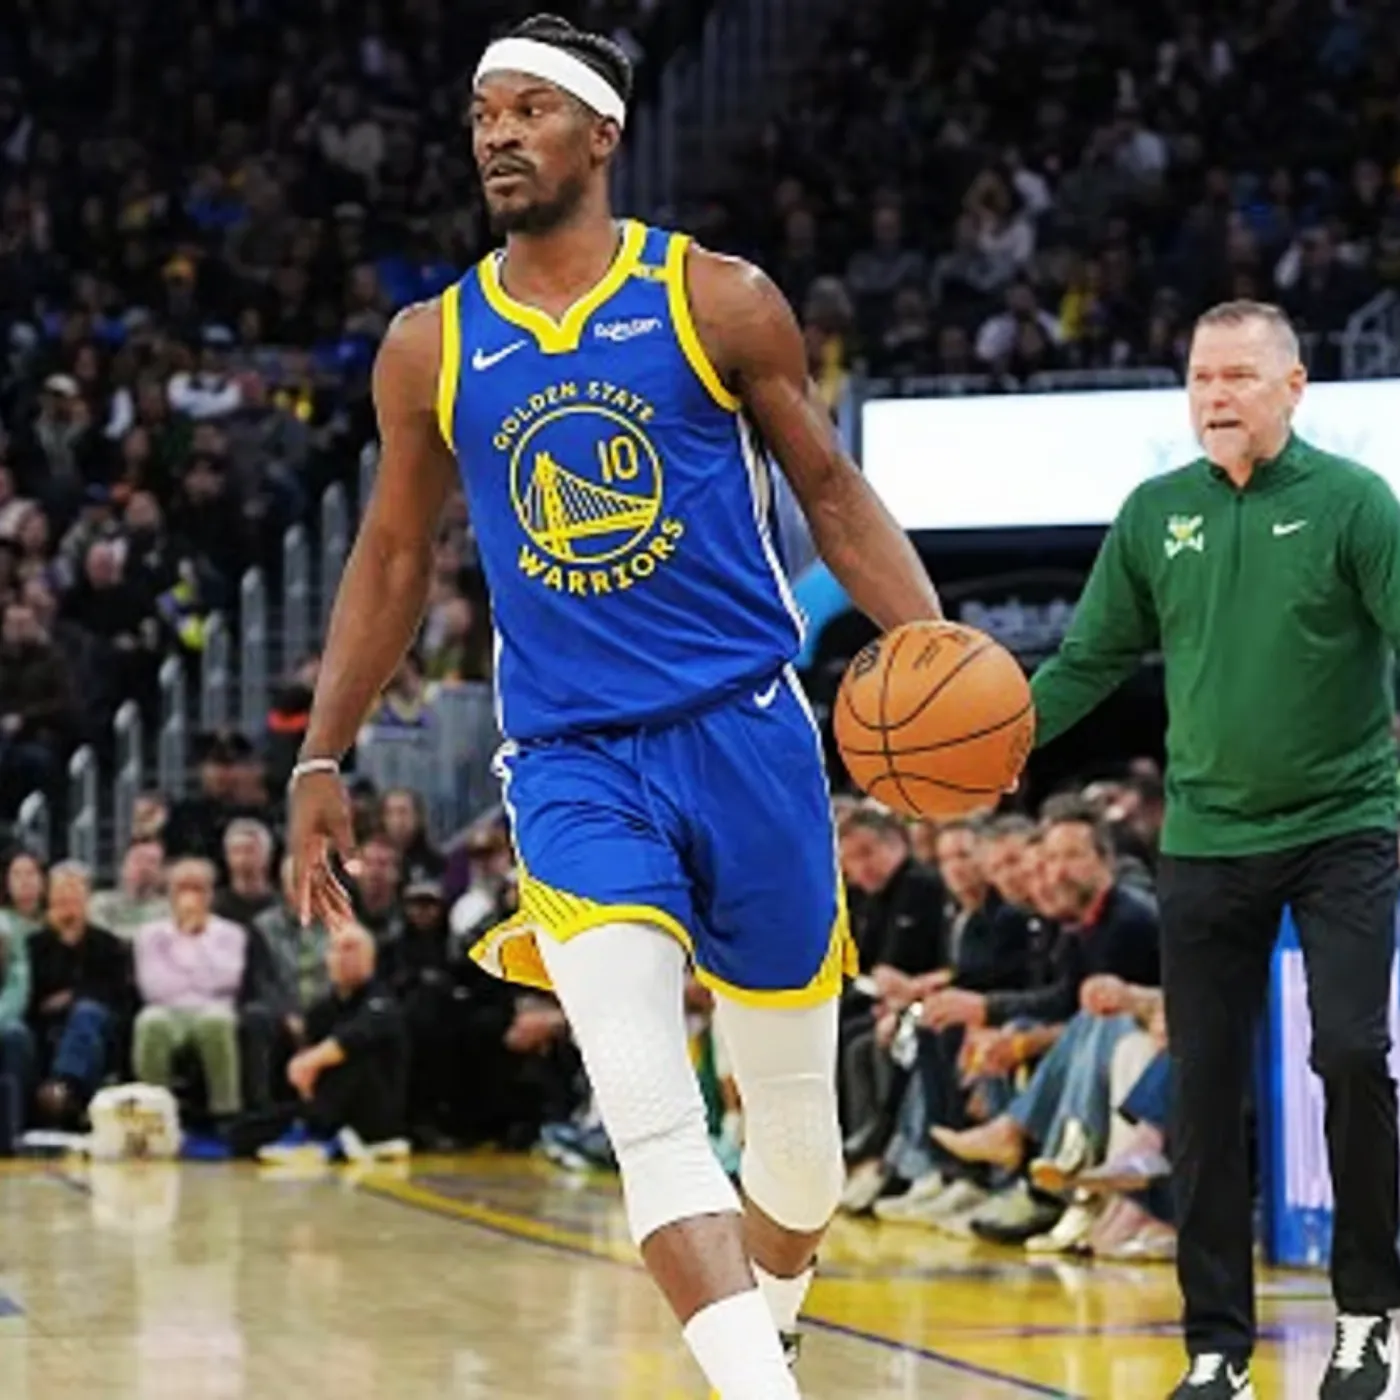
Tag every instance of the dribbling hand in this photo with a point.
(319, 822)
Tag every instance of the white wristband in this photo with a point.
(313, 765)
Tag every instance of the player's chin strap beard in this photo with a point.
(554, 65)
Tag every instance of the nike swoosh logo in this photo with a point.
(765, 698)
(1238, 1379)
(481, 360)
(1291, 528)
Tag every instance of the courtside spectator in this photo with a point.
(139, 897)
(80, 1000)
(188, 970)
(404, 820)
(22, 892)
(16, 1042)
(379, 908)
(353, 1074)
(248, 853)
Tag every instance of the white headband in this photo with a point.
(557, 67)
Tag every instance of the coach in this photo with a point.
(1268, 574)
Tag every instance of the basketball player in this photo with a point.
(607, 391)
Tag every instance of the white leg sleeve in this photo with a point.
(621, 986)
(785, 1064)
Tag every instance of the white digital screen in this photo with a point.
(1007, 461)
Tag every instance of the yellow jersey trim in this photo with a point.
(510, 950)
(562, 336)
(450, 366)
(684, 323)
(841, 962)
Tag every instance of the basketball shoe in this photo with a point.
(1363, 1365)
(1214, 1376)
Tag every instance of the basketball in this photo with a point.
(934, 720)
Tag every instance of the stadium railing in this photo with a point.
(172, 742)
(215, 674)
(1370, 344)
(335, 549)
(129, 776)
(296, 597)
(254, 644)
(33, 827)
(713, 90)
(82, 807)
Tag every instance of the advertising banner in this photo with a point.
(1012, 461)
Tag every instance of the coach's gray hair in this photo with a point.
(1238, 313)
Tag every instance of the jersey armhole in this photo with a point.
(450, 364)
(678, 299)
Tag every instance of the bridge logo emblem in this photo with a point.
(586, 484)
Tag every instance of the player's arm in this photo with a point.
(384, 590)
(752, 338)
(1114, 623)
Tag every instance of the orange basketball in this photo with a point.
(934, 720)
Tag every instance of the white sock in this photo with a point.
(737, 1347)
(784, 1296)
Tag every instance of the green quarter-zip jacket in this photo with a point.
(1275, 608)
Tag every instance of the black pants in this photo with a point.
(364, 1093)
(1219, 922)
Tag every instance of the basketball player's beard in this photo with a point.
(542, 216)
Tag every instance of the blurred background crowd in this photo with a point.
(209, 212)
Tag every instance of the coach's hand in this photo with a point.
(319, 822)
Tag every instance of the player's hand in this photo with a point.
(319, 822)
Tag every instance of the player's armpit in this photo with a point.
(384, 589)
(752, 337)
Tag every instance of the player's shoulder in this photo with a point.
(410, 355)
(725, 281)
(415, 326)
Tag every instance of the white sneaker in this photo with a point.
(863, 1188)
(1364, 1360)
(910, 1205)
(961, 1199)
(1069, 1236)
(1214, 1377)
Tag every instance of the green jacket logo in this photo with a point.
(1184, 532)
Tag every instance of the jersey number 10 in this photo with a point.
(617, 459)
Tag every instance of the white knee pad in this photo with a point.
(785, 1062)
(621, 986)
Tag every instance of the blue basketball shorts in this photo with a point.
(716, 827)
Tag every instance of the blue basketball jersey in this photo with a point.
(620, 499)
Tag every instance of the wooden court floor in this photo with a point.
(495, 1277)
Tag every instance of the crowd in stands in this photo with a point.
(209, 213)
(193, 972)
(998, 190)
(1004, 1070)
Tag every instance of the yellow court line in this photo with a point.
(522, 1227)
